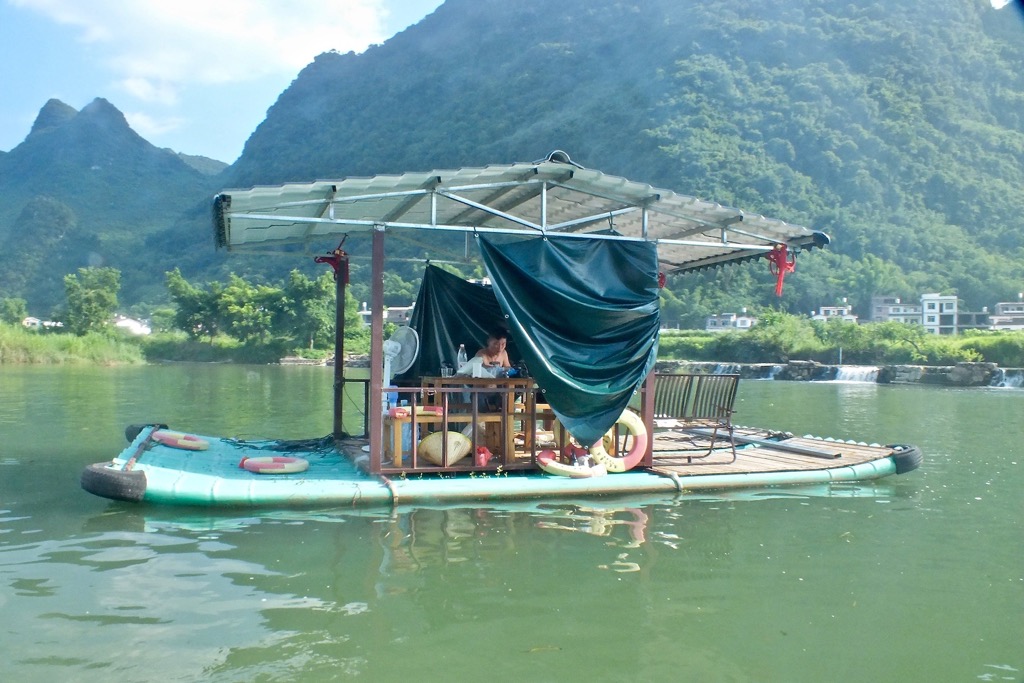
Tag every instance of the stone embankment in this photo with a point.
(353, 361)
(959, 375)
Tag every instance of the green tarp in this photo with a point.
(450, 311)
(585, 316)
(582, 314)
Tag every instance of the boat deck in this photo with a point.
(681, 454)
(335, 472)
(672, 450)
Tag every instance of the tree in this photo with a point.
(250, 310)
(13, 310)
(91, 298)
(310, 309)
(198, 310)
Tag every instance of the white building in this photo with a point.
(939, 313)
(399, 315)
(1009, 315)
(729, 322)
(843, 312)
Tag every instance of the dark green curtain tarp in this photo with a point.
(584, 315)
(450, 311)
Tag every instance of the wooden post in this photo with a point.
(647, 415)
(376, 419)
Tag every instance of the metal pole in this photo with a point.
(338, 260)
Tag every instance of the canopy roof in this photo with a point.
(555, 196)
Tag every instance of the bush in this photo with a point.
(20, 345)
(1006, 349)
(780, 337)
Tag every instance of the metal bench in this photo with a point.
(699, 405)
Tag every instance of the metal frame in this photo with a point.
(527, 200)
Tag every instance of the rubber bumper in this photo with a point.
(906, 457)
(105, 481)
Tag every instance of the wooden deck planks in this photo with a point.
(760, 459)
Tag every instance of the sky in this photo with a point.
(196, 76)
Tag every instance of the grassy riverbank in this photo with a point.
(20, 345)
(788, 339)
(792, 338)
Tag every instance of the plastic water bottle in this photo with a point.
(462, 358)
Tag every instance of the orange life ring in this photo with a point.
(632, 422)
(188, 442)
(276, 464)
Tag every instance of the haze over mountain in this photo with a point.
(896, 128)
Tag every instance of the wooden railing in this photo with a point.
(445, 410)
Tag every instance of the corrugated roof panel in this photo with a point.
(553, 197)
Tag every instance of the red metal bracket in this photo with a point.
(338, 260)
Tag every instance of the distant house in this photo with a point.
(882, 307)
(835, 313)
(398, 315)
(973, 320)
(1008, 316)
(891, 308)
(729, 322)
(939, 313)
(37, 324)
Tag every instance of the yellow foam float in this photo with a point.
(431, 448)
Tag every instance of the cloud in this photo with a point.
(150, 91)
(154, 48)
(149, 127)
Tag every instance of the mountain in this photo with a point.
(91, 158)
(478, 82)
(107, 188)
(895, 127)
(204, 165)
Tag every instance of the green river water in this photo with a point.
(918, 577)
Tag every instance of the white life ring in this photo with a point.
(548, 461)
(632, 422)
(276, 464)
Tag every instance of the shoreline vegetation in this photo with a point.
(779, 339)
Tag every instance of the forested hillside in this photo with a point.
(84, 189)
(895, 127)
(898, 128)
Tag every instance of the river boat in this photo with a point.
(575, 259)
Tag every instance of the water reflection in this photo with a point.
(334, 593)
(168, 603)
(92, 590)
(598, 521)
